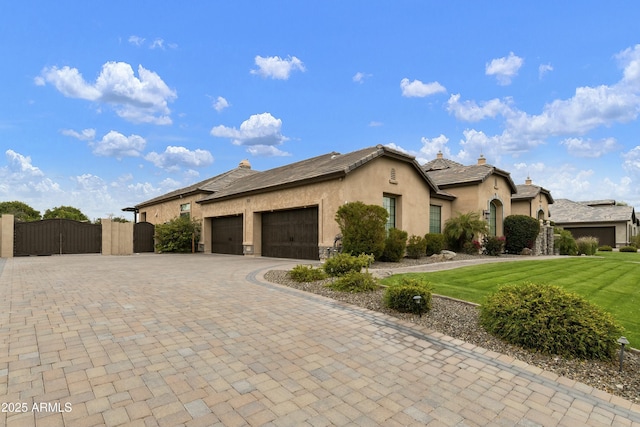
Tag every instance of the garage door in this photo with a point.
(226, 235)
(290, 234)
(605, 235)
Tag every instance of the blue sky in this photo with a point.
(108, 104)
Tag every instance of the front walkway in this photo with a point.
(203, 340)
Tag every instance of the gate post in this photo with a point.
(6, 236)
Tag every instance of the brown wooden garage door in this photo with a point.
(290, 233)
(226, 235)
(605, 235)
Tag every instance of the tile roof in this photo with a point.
(207, 186)
(315, 169)
(456, 175)
(530, 191)
(565, 211)
(440, 163)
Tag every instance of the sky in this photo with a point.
(107, 104)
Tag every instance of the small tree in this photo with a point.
(20, 211)
(521, 232)
(461, 229)
(177, 235)
(65, 212)
(363, 228)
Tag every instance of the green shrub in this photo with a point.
(550, 320)
(587, 245)
(306, 273)
(343, 263)
(628, 249)
(394, 245)
(492, 245)
(363, 228)
(460, 230)
(565, 243)
(520, 232)
(605, 248)
(177, 235)
(416, 247)
(354, 281)
(471, 248)
(399, 296)
(435, 243)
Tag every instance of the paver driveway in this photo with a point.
(202, 340)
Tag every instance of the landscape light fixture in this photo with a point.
(418, 299)
(622, 341)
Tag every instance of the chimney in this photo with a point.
(439, 154)
(482, 160)
(245, 164)
(527, 181)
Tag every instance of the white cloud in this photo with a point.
(115, 144)
(136, 40)
(417, 89)
(174, 158)
(360, 77)
(84, 135)
(266, 151)
(276, 67)
(258, 130)
(157, 44)
(580, 147)
(220, 104)
(470, 111)
(544, 69)
(631, 161)
(505, 68)
(21, 165)
(142, 99)
(432, 146)
(375, 124)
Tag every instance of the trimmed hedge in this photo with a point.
(605, 248)
(400, 296)
(363, 228)
(394, 245)
(341, 264)
(520, 232)
(628, 249)
(550, 320)
(416, 247)
(435, 243)
(306, 273)
(354, 281)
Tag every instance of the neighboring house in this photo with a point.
(182, 202)
(612, 224)
(531, 200)
(290, 211)
(477, 188)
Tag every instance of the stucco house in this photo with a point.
(290, 211)
(477, 188)
(612, 224)
(531, 200)
(183, 200)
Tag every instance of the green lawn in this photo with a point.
(610, 280)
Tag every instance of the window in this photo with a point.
(185, 209)
(493, 219)
(143, 217)
(435, 219)
(389, 203)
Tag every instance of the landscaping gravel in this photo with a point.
(459, 319)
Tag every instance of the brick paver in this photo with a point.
(203, 340)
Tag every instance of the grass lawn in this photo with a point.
(610, 280)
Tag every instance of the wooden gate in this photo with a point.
(143, 237)
(56, 236)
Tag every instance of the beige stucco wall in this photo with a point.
(477, 197)
(117, 237)
(367, 184)
(166, 211)
(531, 207)
(6, 236)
